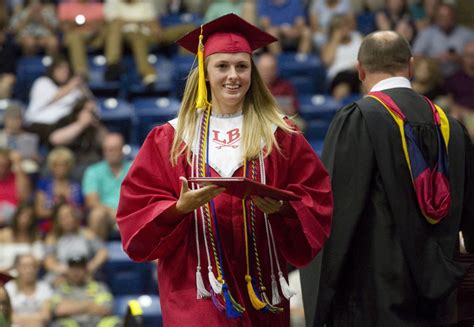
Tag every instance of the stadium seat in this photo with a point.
(293, 65)
(150, 305)
(118, 116)
(28, 70)
(163, 84)
(177, 19)
(182, 65)
(151, 112)
(318, 106)
(126, 277)
(98, 85)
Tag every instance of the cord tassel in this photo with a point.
(201, 99)
(275, 294)
(285, 288)
(270, 307)
(217, 303)
(202, 293)
(230, 310)
(256, 303)
(215, 285)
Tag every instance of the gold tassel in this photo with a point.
(256, 303)
(201, 100)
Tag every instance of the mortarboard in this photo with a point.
(226, 34)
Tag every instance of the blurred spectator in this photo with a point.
(53, 97)
(82, 22)
(57, 186)
(81, 301)
(443, 40)
(396, 16)
(5, 305)
(8, 55)
(281, 89)
(22, 237)
(135, 22)
(101, 184)
(339, 55)
(35, 27)
(80, 132)
(286, 20)
(244, 8)
(70, 240)
(30, 297)
(460, 87)
(14, 137)
(423, 12)
(321, 13)
(14, 184)
(427, 78)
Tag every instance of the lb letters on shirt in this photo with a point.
(225, 137)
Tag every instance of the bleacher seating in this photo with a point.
(307, 67)
(318, 106)
(98, 85)
(164, 83)
(125, 277)
(118, 116)
(29, 69)
(151, 112)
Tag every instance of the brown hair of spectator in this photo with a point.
(57, 61)
(384, 52)
(76, 212)
(32, 231)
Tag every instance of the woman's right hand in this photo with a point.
(189, 200)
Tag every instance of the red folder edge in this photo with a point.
(242, 187)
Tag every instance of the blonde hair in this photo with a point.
(260, 111)
(60, 152)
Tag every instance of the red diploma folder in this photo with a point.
(242, 187)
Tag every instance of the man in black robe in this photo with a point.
(385, 264)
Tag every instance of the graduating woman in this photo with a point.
(223, 259)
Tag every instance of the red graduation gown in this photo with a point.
(152, 186)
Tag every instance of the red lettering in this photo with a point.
(233, 134)
(216, 137)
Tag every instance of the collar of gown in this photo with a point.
(391, 83)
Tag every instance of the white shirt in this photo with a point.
(139, 11)
(41, 110)
(391, 83)
(28, 304)
(346, 55)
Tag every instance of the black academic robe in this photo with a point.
(384, 265)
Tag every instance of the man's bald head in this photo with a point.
(384, 52)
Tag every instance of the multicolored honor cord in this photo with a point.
(431, 184)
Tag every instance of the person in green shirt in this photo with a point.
(101, 185)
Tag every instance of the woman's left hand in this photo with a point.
(268, 205)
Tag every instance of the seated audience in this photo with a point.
(427, 78)
(396, 16)
(52, 97)
(133, 22)
(339, 55)
(101, 185)
(82, 23)
(443, 40)
(57, 186)
(14, 185)
(14, 137)
(321, 13)
(35, 27)
(22, 237)
(82, 301)
(80, 132)
(30, 297)
(68, 240)
(5, 304)
(460, 88)
(286, 20)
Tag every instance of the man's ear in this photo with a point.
(411, 64)
(361, 71)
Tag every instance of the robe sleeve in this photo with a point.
(467, 222)
(349, 157)
(301, 233)
(150, 188)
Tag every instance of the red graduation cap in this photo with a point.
(4, 278)
(228, 34)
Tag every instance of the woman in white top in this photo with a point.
(52, 97)
(22, 237)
